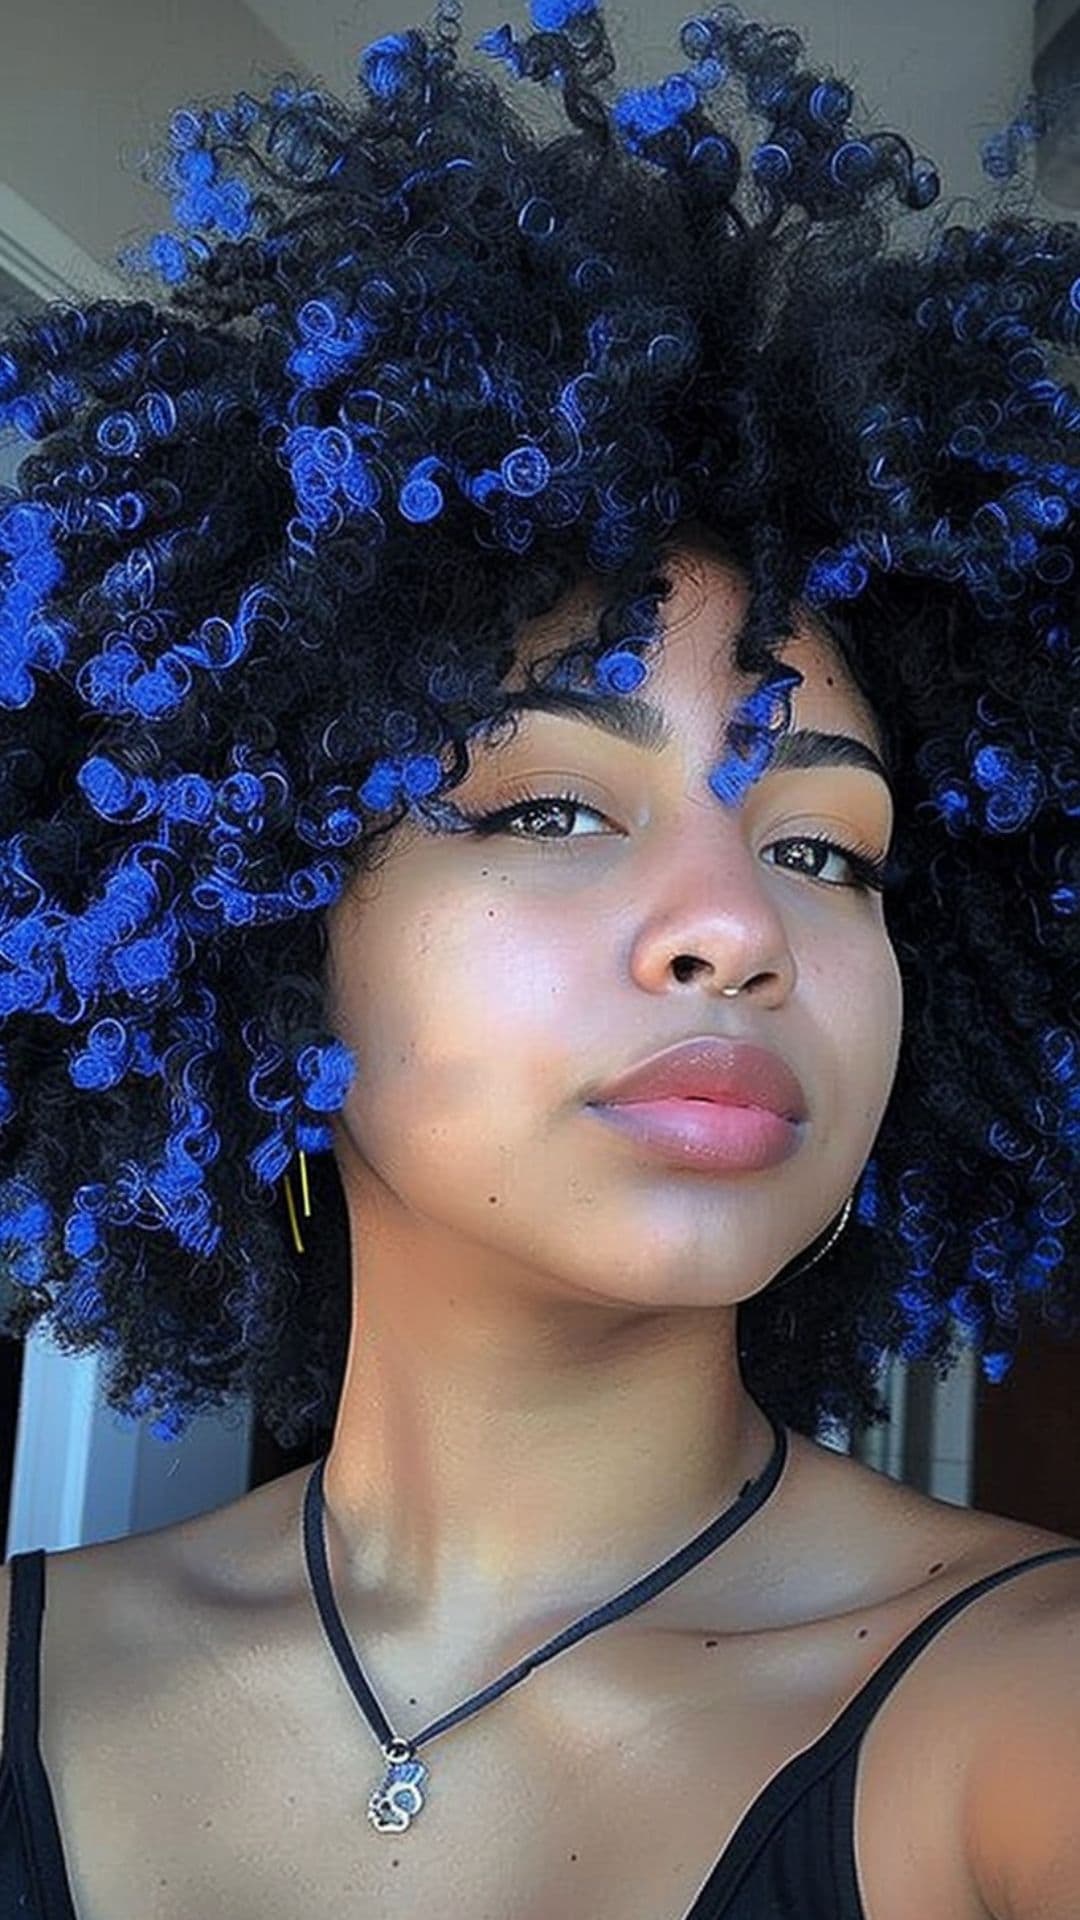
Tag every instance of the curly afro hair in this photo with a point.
(415, 373)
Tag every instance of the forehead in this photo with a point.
(699, 622)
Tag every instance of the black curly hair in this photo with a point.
(418, 372)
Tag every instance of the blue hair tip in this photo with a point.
(420, 501)
(550, 16)
(421, 775)
(995, 1366)
(382, 786)
(383, 63)
(619, 671)
(525, 471)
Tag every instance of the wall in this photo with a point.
(85, 90)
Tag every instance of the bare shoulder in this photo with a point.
(207, 1623)
(1003, 1697)
(963, 1740)
(76, 1581)
(928, 1551)
(146, 1601)
(872, 1541)
(1023, 1776)
(1027, 1620)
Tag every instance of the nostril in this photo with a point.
(686, 965)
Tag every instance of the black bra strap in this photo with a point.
(22, 1684)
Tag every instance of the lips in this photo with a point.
(727, 1072)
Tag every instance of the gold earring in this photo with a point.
(289, 1202)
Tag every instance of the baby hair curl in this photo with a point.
(418, 372)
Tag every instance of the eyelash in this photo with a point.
(868, 868)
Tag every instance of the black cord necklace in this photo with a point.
(398, 1798)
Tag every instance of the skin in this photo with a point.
(542, 1398)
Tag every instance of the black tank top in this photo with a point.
(791, 1857)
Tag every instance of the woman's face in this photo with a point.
(489, 985)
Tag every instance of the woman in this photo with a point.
(539, 940)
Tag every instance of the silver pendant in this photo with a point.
(396, 1801)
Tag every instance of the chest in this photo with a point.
(605, 1787)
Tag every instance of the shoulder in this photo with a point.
(1021, 1630)
(862, 1540)
(80, 1584)
(146, 1602)
(985, 1728)
(1021, 1696)
(920, 1551)
(992, 1722)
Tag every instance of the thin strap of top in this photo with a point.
(43, 1876)
(880, 1683)
(837, 1743)
(22, 1688)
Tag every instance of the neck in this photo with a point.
(496, 1452)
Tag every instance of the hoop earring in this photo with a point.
(291, 1205)
(830, 1242)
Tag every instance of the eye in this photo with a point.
(530, 806)
(867, 867)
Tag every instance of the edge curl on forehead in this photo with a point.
(547, 638)
(695, 542)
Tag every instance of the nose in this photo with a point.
(709, 917)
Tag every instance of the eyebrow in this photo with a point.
(630, 717)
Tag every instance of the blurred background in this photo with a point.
(85, 91)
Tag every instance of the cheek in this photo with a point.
(884, 990)
(853, 993)
(870, 1028)
(453, 1017)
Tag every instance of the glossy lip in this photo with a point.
(708, 1067)
(712, 1135)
